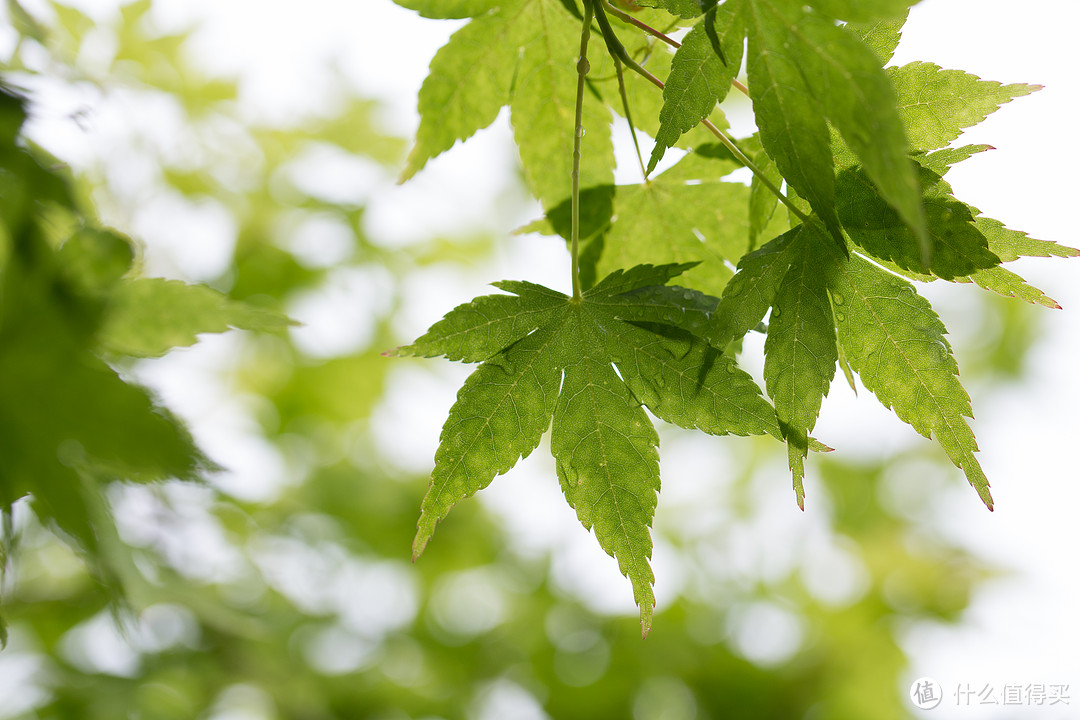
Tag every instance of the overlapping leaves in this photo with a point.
(862, 150)
(585, 368)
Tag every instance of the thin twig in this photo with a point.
(637, 23)
(579, 130)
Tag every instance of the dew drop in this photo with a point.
(837, 299)
(581, 132)
(839, 316)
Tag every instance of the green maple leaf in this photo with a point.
(685, 214)
(936, 104)
(804, 70)
(700, 76)
(864, 11)
(521, 54)
(968, 247)
(790, 275)
(586, 367)
(449, 9)
(894, 340)
(887, 333)
(957, 246)
(763, 202)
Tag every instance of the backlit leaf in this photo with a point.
(936, 105)
(588, 367)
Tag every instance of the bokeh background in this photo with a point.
(254, 146)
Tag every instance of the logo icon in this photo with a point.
(925, 693)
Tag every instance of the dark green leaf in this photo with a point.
(958, 248)
(800, 349)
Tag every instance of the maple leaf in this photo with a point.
(585, 367)
(804, 70)
(700, 76)
(888, 333)
(520, 54)
(936, 104)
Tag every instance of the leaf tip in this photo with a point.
(419, 543)
(646, 620)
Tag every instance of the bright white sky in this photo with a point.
(1020, 629)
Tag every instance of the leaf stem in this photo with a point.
(729, 143)
(629, 118)
(627, 18)
(579, 130)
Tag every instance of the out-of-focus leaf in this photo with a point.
(149, 316)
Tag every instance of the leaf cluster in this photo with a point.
(856, 151)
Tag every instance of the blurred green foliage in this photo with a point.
(177, 599)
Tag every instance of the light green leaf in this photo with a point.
(449, 9)
(482, 327)
(522, 54)
(468, 82)
(542, 106)
(940, 161)
(500, 414)
(763, 201)
(895, 342)
(681, 8)
(864, 11)
(149, 316)
(1010, 245)
(699, 78)
(670, 220)
(936, 105)
(1009, 284)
